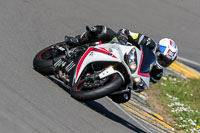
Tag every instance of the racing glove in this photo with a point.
(144, 40)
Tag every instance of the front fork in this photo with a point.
(109, 71)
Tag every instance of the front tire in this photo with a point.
(96, 93)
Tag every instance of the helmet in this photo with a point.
(166, 52)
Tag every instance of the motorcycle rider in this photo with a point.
(165, 50)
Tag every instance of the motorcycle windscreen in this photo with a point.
(148, 61)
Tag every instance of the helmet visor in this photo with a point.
(163, 60)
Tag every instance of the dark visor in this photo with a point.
(163, 60)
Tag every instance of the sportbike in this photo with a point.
(100, 70)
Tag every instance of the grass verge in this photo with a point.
(180, 102)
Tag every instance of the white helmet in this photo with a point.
(166, 52)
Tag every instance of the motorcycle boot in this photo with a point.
(77, 40)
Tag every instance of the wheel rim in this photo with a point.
(85, 85)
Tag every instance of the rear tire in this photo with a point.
(100, 92)
(45, 65)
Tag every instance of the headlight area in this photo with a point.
(139, 85)
(131, 60)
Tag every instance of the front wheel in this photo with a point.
(79, 92)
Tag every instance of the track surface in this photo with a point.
(31, 103)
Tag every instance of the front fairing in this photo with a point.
(96, 54)
(116, 53)
(145, 60)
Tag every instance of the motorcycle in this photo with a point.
(109, 69)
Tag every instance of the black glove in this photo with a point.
(148, 42)
(122, 36)
(156, 74)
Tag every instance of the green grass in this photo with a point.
(183, 101)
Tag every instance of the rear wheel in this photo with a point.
(43, 61)
(83, 92)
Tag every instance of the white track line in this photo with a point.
(117, 105)
(188, 61)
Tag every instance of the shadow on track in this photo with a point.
(99, 108)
